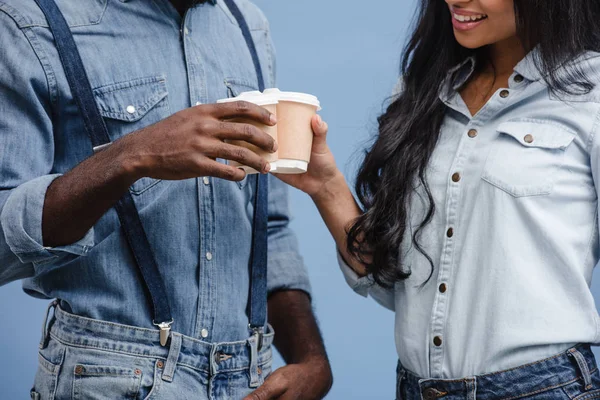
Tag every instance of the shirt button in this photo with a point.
(130, 109)
(518, 78)
(450, 232)
(198, 103)
(504, 94)
(528, 139)
(472, 133)
(209, 256)
(204, 333)
(455, 177)
(186, 31)
(443, 288)
(437, 341)
(206, 180)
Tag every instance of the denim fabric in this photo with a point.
(514, 238)
(87, 359)
(572, 375)
(144, 62)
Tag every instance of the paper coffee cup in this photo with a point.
(294, 130)
(268, 101)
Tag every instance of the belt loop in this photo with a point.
(45, 330)
(471, 384)
(583, 367)
(174, 350)
(400, 373)
(254, 377)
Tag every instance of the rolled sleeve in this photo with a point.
(21, 221)
(366, 286)
(360, 285)
(286, 269)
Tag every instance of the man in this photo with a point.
(156, 68)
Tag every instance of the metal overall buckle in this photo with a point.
(259, 333)
(165, 329)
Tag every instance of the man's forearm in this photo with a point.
(297, 337)
(75, 201)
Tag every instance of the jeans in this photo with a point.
(82, 358)
(570, 375)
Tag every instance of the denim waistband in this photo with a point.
(212, 358)
(577, 363)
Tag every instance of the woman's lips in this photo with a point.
(463, 21)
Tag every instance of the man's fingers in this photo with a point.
(243, 109)
(240, 154)
(247, 133)
(223, 171)
(275, 386)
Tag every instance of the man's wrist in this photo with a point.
(129, 167)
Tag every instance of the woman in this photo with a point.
(477, 221)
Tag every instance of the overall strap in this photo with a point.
(257, 302)
(96, 129)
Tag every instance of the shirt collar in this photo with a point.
(458, 75)
(527, 66)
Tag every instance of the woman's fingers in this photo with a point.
(320, 129)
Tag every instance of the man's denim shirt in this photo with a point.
(145, 63)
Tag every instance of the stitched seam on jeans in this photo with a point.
(547, 388)
(594, 394)
(523, 366)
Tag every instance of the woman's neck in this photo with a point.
(505, 55)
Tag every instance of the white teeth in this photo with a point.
(468, 18)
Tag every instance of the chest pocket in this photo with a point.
(527, 156)
(133, 105)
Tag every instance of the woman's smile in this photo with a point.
(464, 20)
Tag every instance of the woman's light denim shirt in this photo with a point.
(145, 63)
(515, 234)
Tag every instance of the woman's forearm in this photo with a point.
(339, 210)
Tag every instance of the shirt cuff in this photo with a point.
(286, 271)
(21, 221)
(360, 285)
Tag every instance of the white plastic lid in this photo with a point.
(254, 97)
(284, 166)
(295, 97)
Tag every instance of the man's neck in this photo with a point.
(183, 5)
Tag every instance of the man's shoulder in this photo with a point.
(26, 13)
(255, 18)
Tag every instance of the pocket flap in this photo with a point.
(538, 134)
(130, 101)
(235, 87)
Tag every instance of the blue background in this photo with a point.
(347, 53)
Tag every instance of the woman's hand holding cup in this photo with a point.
(322, 169)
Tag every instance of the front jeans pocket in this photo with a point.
(50, 360)
(100, 382)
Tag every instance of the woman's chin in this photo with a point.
(469, 42)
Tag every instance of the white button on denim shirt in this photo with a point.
(515, 235)
(142, 71)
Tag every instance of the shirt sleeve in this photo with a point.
(26, 157)
(286, 267)
(366, 286)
